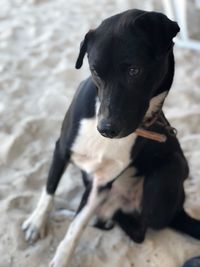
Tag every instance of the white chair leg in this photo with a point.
(168, 7)
(198, 3)
(180, 7)
(177, 10)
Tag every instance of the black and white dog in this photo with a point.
(131, 181)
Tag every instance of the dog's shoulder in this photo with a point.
(82, 107)
(83, 103)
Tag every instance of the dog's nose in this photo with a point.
(107, 129)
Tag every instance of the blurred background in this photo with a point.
(39, 43)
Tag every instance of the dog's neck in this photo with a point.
(155, 115)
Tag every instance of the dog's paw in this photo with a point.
(34, 228)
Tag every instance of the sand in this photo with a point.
(39, 41)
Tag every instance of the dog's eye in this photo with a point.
(133, 71)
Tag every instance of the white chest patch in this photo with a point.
(101, 157)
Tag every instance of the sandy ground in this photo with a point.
(39, 42)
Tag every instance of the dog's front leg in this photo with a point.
(35, 226)
(68, 244)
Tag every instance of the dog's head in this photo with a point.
(131, 62)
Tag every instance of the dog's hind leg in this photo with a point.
(34, 227)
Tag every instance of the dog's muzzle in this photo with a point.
(107, 129)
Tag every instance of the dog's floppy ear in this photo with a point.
(83, 50)
(158, 31)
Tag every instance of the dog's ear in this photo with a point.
(83, 50)
(158, 31)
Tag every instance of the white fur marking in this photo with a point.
(101, 157)
(121, 193)
(34, 226)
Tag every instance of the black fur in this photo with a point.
(193, 262)
(139, 42)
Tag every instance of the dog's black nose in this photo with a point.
(107, 129)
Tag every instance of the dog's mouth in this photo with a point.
(142, 129)
(112, 131)
(152, 135)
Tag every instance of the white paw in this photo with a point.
(34, 227)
